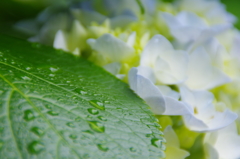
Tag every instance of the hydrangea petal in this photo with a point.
(111, 47)
(169, 65)
(153, 97)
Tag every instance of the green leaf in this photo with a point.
(140, 6)
(55, 105)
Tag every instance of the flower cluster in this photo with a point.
(182, 59)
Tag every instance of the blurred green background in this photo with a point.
(12, 11)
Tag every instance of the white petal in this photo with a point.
(201, 74)
(221, 120)
(147, 91)
(171, 21)
(112, 48)
(60, 41)
(153, 97)
(167, 91)
(208, 33)
(87, 17)
(131, 39)
(194, 124)
(113, 68)
(196, 98)
(169, 65)
(146, 72)
(175, 107)
(174, 69)
(190, 19)
(211, 152)
(171, 137)
(173, 147)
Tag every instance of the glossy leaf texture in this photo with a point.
(55, 105)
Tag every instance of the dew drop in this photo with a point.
(53, 69)
(149, 135)
(70, 124)
(132, 149)
(107, 102)
(102, 147)
(51, 75)
(48, 106)
(78, 119)
(156, 142)
(26, 78)
(53, 113)
(73, 136)
(96, 126)
(28, 68)
(80, 91)
(35, 147)
(102, 118)
(37, 131)
(88, 131)
(97, 104)
(28, 115)
(93, 111)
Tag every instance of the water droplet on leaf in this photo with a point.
(102, 118)
(93, 111)
(26, 78)
(35, 147)
(156, 142)
(96, 126)
(73, 136)
(28, 115)
(54, 69)
(78, 119)
(48, 106)
(53, 113)
(70, 124)
(102, 147)
(97, 104)
(37, 131)
(132, 149)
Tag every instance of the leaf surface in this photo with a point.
(55, 105)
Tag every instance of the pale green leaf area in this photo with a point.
(55, 105)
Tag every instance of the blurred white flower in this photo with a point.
(173, 150)
(169, 65)
(141, 82)
(213, 11)
(189, 28)
(202, 74)
(223, 144)
(112, 49)
(205, 116)
(114, 68)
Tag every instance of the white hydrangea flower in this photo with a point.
(213, 11)
(204, 116)
(169, 65)
(223, 144)
(112, 49)
(114, 69)
(173, 150)
(72, 41)
(202, 72)
(187, 27)
(141, 82)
